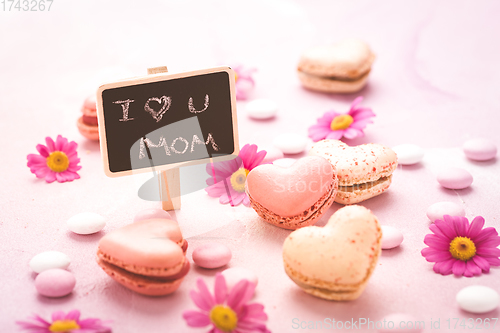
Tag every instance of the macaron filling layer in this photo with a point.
(364, 186)
(362, 76)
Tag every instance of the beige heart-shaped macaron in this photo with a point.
(336, 261)
(363, 171)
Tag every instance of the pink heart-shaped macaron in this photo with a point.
(336, 261)
(363, 171)
(146, 256)
(292, 197)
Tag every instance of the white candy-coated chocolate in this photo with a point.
(261, 108)
(48, 260)
(291, 143)
(284, 162)
(439, 209)
(272, 154)
(86, 223)
(409, 154)
(478, 299)
(234, 275)
(391, 237)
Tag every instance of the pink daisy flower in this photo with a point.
(229, 177)
(334, 125)
(68, 323)
(244, 81)
(461, 248)
(58, 160)
(226, 311)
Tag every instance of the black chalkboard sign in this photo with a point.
(167, 120)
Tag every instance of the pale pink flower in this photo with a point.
(227, 311)
(68, 323)
(227, 181)
(57, 161)
(334, 125)
(461, 248)
(244, 81)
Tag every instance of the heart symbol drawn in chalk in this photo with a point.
(165, 103)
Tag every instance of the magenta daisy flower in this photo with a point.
(244, 81)
(57, 161)
(462, 249)
(68, 323)
(226, 311)
(227, 181)
(334, 125)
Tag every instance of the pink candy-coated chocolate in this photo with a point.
(152, 213)
(480, 149)
(212, 255)
(55, 283)
(454, 178)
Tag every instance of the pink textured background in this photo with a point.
(435, 83)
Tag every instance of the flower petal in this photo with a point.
(436, 242)
(481, 263)
(485, 234)
(433, 255)
(446, 227)
(61, 143)
(473, 268)
(318, 134)
(461, 226)
(50, 177)
(43, 150)
(355, 103)
(488, 252)
(458, 268)
(196, 319)
(50, 144)
(237, 294)
(444, 267)
(335, 135)
(475, 227)
(352, 133)
(204, 294)
(490, 242)
(220, 289)
(492, 261)
(58, 315)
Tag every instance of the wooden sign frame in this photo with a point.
(161, 76)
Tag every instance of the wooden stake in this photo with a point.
(170, 185)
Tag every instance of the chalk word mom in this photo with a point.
(165, 103)
(163, 143)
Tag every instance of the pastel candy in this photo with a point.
(291, 143)
(478, 299)
(86, 223)
(409, 154)
(284, 162)
(401, 323)
(272, 154)
(212, 255)
(454, 178)
(480, 149)
(55, 283)
(439, 209)
(152, 213)
(236, 274)
(391, 237)
(48, 260)
(261, 108)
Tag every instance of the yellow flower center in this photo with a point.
(235, 77)
(58, 161)
(462, 248)
(238, 179)
(341, 122)
(64, 326)
(224, 318)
